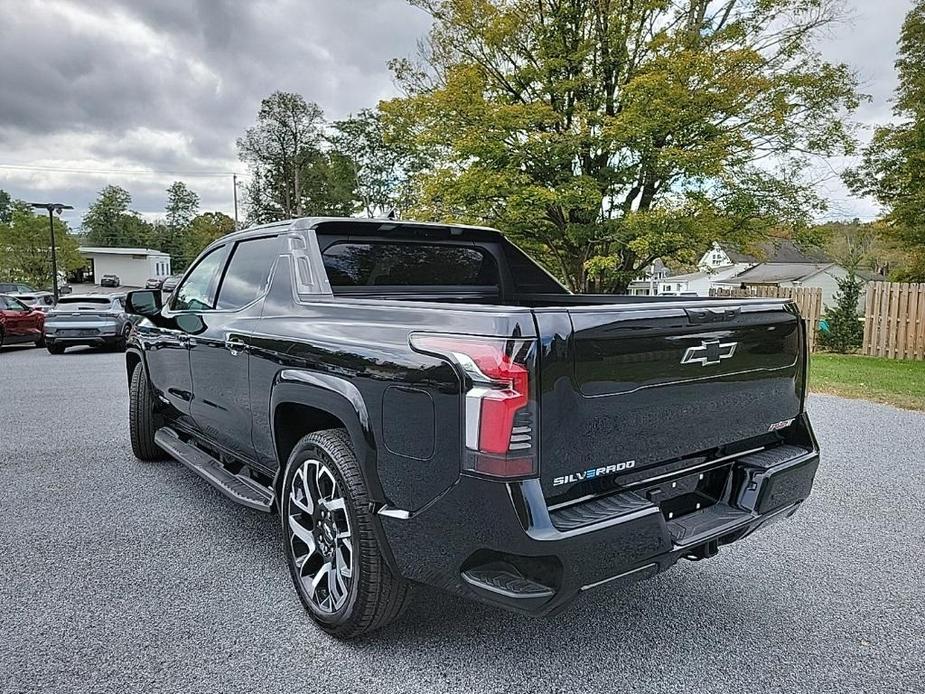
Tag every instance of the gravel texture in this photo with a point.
(121, 576)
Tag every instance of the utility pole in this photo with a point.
(234, 182)
(53, 207)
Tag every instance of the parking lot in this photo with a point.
(121, 576)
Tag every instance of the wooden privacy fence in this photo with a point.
(808, 299)
(894, 320)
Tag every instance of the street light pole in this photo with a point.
(53, 207)
(234, 182)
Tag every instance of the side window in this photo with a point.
(248, 272)
(3, 304)
(197, 293)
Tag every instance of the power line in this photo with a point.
(62, 169)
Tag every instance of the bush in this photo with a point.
(845, 331)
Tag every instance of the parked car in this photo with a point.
(87, 319)
(170, 283)
(109, 281)
(19, 323)
(155, 283)
(425, 404)
(41, 301)
(15, 288)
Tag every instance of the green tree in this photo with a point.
(287, 135)
(381, 168)
(169, 236)
(109, 221)
(25, 247)
(607, 133)
(845, 331)
(182, 205)
(202, 231)
(329, 185)
(6, 207)
(892, 168)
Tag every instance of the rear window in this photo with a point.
(408, 264)
(102, 301)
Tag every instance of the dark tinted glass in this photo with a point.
(198, 289)
(248, 271)
(408, 264)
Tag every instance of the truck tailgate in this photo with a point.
(626, 387)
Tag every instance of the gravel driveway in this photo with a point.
(121, 576)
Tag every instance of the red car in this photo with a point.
(19, 323)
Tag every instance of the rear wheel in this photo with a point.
(142, 419)
(55, 349)
(334, 558)
(40, 342)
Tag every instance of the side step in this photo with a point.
(239, 488)
(507, 582)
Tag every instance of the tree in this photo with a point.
(288, 133)
(109, 221)
(182, 205)
(845, 331)
(6, 209)
(381, 168)
(169, 236)
(892, 168)
(202, 231)
(607, 133)
(25, 247)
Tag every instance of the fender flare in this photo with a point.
(339, 398)
(133, 351)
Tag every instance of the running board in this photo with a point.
(238, 488)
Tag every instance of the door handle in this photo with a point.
(234, 345)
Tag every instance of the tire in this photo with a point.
(372, 596)
(55, 349)
(122, 342)
(40, 342)
(142, 420)
(2, 337)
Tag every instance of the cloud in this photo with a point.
(168, 85)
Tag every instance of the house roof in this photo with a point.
(777, 251)
(687, 277)
(772, 273)
(101, 250)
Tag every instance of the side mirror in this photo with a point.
(144, 302)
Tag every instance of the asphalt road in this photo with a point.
(120, 576)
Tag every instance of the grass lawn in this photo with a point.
(893, 381)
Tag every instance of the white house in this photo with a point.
(133, 266)
(647, 283)
(698, 283)
(822, 276)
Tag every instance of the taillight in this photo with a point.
(499, 411)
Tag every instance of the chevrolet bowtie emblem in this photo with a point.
(709, 352)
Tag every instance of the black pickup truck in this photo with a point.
(423, 403)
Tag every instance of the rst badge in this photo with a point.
(593, 473)
(709, 352)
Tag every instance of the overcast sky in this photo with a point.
(167, 85)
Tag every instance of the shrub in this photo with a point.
(845, 331)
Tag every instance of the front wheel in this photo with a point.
(334, 558)
(142, 419)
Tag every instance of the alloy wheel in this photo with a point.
(320, 536)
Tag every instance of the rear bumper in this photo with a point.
(91, 340)
(499, 543)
